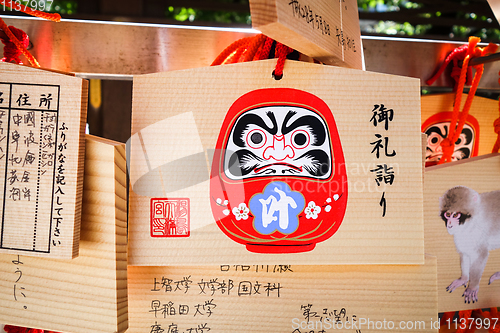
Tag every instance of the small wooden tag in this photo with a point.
(325, 30)
(42, 125)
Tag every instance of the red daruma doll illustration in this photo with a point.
(278, 181)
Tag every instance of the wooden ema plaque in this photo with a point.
(88, 293)
(461, 207)
(42, 124)
(325, 30)
(284, 298)
(230, 165)
(478, 135)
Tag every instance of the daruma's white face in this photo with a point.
(278, 141)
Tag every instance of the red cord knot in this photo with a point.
(456, 55)
(10, 51)
(447, 147)
(455, 73)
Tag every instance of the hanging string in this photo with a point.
(265, 50)
(458, 118)
(11, 52)
(258, 47)
(20, 45)
(19, 39)
(281, 52)
(457, 55)
(230, 50)
(496, 126)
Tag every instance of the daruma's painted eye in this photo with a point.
(300, 139)
(256, 139)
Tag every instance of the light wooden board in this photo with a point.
(177, 117)
(484, 110)
(495, 7)
(88, 293)
(325, 30)
(276, 298)
(481, 174)
(42, 126)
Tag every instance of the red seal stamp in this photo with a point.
(170, 217)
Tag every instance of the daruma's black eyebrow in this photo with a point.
(248, 119)
(316, 126)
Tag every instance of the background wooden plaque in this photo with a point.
(88, 293)
(42, 126)
(481, 174)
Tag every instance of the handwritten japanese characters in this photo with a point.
(41, 129)
(307, 13)
(325, 30)
(19, 291)
(286, 298)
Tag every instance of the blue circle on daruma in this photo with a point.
(276, 209)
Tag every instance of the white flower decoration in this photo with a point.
(312, 210)
(241, 212)
(336, 197)
(328, 208)
(328, 200)
(226, 212)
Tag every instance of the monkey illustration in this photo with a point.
(473, 220)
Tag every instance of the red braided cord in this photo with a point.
(18, 44)
(265, 50)
(11, 52)
(448, 144)
(253, 47)
(25, 9)
(458, 53)
(281, 52)
(229, 50)
(235, 56)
